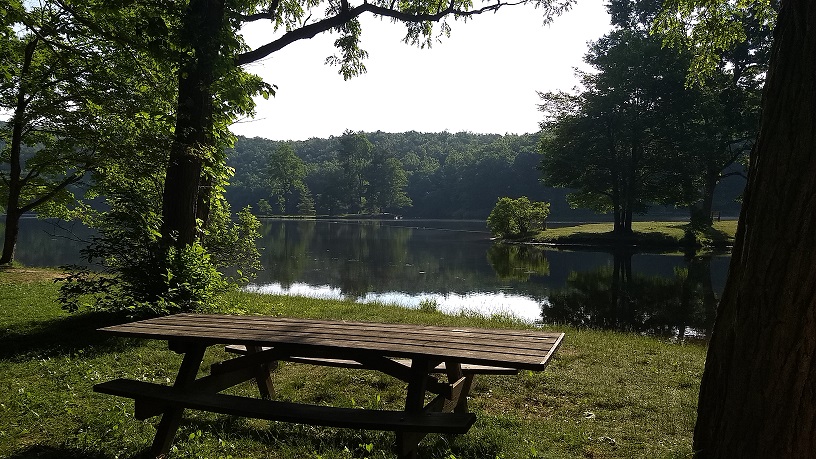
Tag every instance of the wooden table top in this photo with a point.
(522, 349)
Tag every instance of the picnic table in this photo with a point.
(411, 353)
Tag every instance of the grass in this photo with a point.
(606, 395)
(646, 234)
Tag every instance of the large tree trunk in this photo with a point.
(758, 393)
(182, 199)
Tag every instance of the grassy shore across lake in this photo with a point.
(658, 235)
(605, 395)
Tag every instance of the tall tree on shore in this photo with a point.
(57, 79)
(608, 142)
(719, 121)
(757, 397)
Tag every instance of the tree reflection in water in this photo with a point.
(517, 262)
(612, 298)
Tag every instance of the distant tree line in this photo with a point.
(413, 174)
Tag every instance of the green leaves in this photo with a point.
(709, 28)
(517, 217)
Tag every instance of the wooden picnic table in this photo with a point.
(411, 353)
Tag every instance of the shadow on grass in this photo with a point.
(51, 452)
(288, 436)
(63, 336)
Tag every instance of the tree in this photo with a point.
(719, 121)
(517, 217)
(756, 395)
(285, 175)
(59, 77)
(387, 181)
(354, 154)
(608, 142)
(637, 135)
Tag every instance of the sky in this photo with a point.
(482, 79)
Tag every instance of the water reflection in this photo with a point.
(615, 298)
(455, 265)
(518, 262)
(451, 303)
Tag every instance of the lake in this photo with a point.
(454, 266)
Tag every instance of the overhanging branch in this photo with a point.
(345, 15)
(75, 177)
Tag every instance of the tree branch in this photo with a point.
(309, 31)
(73, 178)
(268, 14)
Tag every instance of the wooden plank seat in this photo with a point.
(467, 368)
(161, 396)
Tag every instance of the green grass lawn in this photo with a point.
(647, 234)
(606, 395)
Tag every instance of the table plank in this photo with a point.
(522, 349)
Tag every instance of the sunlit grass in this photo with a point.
(657, 234)
(606, 395)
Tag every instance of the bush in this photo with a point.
(517, 217)
(141, 276)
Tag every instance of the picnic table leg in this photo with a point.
(263, 375)
(454, 371)
(408, 442)
(171, 418)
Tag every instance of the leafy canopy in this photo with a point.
(709, 28)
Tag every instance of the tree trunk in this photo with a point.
(757, 397)
(10, 237)
(193, 142)
(15, 180)
(701, 213)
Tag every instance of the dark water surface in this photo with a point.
(454, 265)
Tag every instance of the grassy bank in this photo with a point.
(606, 395)
(645, 234)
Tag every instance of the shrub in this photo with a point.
(517, 217)
(139, 275)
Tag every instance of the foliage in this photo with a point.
(285, 176)
(517, 217)
(637, 136)
(232, 244)
(449, 175)
(608, 143)
(59, 77)
(711, 29)
(140, 276)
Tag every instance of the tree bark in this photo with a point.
(193, 140)
(701, 212)
(758, 392)
(15, 180)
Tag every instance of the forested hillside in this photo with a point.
(442, 175)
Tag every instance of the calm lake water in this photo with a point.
(454, 265)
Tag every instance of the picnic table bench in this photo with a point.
(410, 353)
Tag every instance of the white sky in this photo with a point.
(482, 79)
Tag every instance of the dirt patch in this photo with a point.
(29, 275)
